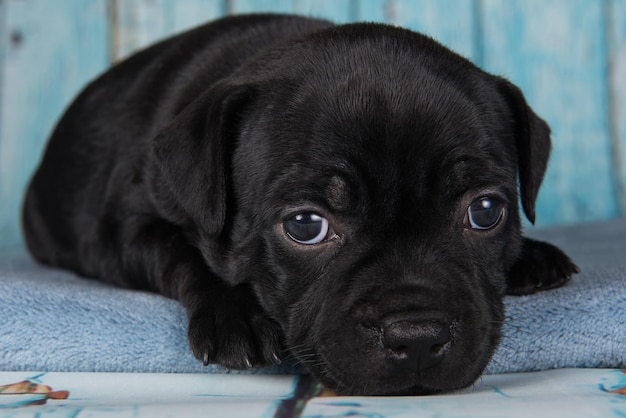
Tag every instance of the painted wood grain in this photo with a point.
(569, 57)
(139, 23)
(339, 11)
(4, 43)
(555, 51)
(49, 53)
(616, 38)
(451, 22)
(372, 10)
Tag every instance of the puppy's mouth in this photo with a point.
(425, 335)
(403, 356)
(349, 385)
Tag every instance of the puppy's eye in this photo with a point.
(485, 213)
(307, 228)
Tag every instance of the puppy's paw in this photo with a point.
(541, 266)
(234, 335)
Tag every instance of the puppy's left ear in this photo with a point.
(532, 136)
(194, 151)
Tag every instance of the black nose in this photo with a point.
(417, 344)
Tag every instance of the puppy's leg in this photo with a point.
(541, 266)
(226, 324)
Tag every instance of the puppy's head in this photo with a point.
(364, 181)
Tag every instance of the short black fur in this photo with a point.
(181, 170)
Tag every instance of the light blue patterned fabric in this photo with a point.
(53, 320)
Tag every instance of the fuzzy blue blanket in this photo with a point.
(55, 321)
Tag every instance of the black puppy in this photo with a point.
(345, 193)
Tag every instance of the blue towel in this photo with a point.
(53, 320)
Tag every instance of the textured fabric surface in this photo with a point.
(55, 321)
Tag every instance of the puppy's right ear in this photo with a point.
(532, 136)
(194, 151)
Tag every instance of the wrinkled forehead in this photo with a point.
(351, 139)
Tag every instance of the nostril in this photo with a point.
(438, 349)
(422, 344)
(401, 351)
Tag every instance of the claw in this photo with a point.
(276, 358)
(205, 358)
(247, 362)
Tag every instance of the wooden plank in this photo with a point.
(555, 51)
(616, 37)
(451, 22)
(4, 41)
(259, 6)
(189, 13)
(373, 10)
(51, 50)
(139, 23)
(339, 11)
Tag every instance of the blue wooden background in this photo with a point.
(569, 57)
